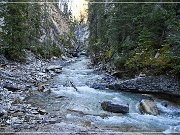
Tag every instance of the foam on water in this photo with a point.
(85, 102)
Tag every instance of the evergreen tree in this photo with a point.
(14, 33)
(129, 36)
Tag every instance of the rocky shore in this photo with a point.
(149, 85)
(20, 81)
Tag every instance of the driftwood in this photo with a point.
(72, 84)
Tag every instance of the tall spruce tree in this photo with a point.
(135, 37)
(14, 29)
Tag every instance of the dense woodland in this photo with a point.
(32, 26)
(129, 38)
(116, 73)
(134, 38)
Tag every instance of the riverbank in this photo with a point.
(80, 105)
(149, 85)
(20, 81)
(167, 86)
(70, 102)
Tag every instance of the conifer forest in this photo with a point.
(103, 67)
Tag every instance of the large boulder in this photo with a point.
(148, 106)
(115, 107)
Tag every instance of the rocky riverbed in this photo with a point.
(54, 97)
(19, 81)
(149, 84)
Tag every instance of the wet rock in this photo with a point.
(42, 111)
(41, 88)
(83, 53)
(2, 112)
(165, 104)
(53, 68)
(159, 84)
(57, 71)
(52, 121)
(148, 106)
(17, 100)
(42, 74)
(118, 74)
(3, 60)
(34, 112)
(99, 86)
(115, 107)
(142, 75)
(27, 126)
(59, 96)
(75, 54)
(11, 87)
(18, 122)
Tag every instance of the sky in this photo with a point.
(77, 7)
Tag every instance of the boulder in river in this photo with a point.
(148, 106)
(115, 107)
(57, 71)
(42, 111)
(53, 68)
(41, 88)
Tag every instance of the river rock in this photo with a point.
(2, 112)
(98, 86)
(115, 107)
(41, 87)
(11, 87)
(149, 85)
(3, 60)
(57, 71)
(52, 121)
(148, 106)
(53, 68)
(42, 111)
(34, 112)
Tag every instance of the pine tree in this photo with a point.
(128, 36)
(14, 29)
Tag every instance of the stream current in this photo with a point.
(79, 105)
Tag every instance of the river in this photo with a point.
(78, 106)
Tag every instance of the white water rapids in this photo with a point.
(82, 110)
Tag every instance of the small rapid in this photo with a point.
(81, 105)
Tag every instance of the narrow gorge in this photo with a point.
(91, 67)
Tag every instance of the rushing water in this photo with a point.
(82, 106)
